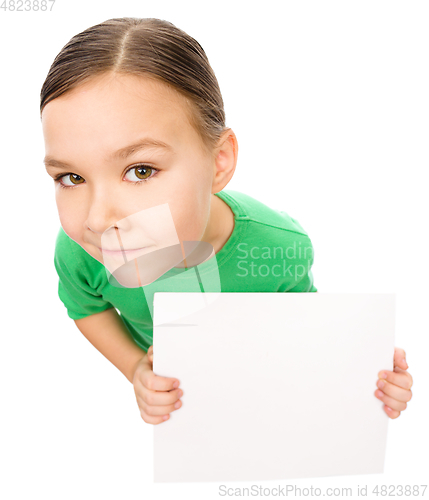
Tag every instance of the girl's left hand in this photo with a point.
(394, 388)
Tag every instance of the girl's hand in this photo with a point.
(156, 396)
(394, 387)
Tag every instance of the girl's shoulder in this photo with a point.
(68, 247)
(76, 266)
(245, 207)
(71, 254)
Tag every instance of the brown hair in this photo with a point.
(148, 47)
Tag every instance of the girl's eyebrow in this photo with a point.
(122, 153)
(146, 143)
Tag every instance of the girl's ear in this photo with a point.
(225, 159)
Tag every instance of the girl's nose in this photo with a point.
(104, 212)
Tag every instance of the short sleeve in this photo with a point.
(304, 282)
(305, 285)
(74, 290)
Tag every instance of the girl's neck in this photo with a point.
(222, 219)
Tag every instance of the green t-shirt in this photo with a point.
(268, 251)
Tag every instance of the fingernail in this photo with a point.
(176, 385)
(404, 363)
(380, 384)
(383, 375)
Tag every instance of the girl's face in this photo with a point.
(99, 185)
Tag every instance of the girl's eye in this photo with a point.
(68, 185)
(142, 174)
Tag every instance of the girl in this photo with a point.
(133, 118)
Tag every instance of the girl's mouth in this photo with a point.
(114, 253)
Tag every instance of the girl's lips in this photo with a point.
(121, 252)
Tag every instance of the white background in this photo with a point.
(329, 103)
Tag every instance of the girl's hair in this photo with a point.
(148, 47)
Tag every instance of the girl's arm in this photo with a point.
(108, 334)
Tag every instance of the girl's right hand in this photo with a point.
(156, 396)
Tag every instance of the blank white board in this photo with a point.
(276, 385)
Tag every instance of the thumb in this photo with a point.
(150, 353)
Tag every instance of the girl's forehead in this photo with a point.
(110, 114)
(142, 90)
(127, 103)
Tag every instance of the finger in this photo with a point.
(399, 370)
(399, 358)
(159, 410)
(391, 413)
(407, 374)
(395, 392)
(158, 398)
(158, 383)
(390, 402)
(150, 352)
(155, 420)
(397, 378)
